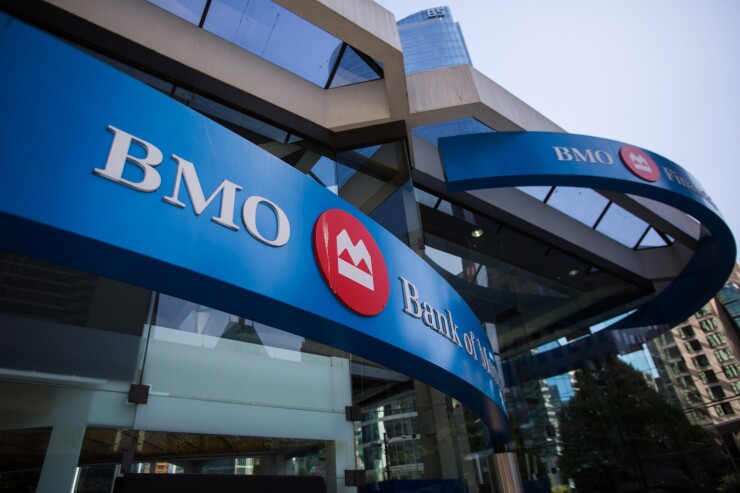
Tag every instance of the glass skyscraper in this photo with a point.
(431, 39)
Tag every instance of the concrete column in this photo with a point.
(505, 471)
(62, 455)
(339, 456)
(69, 415)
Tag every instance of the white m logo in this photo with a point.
(357, 253)
(640, 162)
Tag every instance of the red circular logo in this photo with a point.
(638, 162)
(351, 262)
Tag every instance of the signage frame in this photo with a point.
(132, 185)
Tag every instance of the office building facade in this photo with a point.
(697, 360)
(248, 248)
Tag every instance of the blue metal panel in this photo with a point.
(508, 159)
(55, 120)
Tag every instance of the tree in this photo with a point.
(561, 489)
(618, 434)
(729, 484)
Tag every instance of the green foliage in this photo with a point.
(618, 434)
(729, 484)
(561, 489)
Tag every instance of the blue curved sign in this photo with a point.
(507, 159)
(107, 175)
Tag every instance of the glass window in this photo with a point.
(374, 179)
(716, 339)
(679, 367)
(426, 198)
(275, 34)
(582, 204)
(684, 381)
(731, 371)
(686, 332)
(724, 354)
(704, 311)
(259, 132)
(708, 376)
(729, 298)
(554, 281)
(325, 172)
(666, 338)
(692, 346)
(190, 10)
(716, 392)
(708, 325)
(540, 193)
(435, 131)
(672, 352)
(693, 397)
(352, 69)
(724, 409)
(621, 226)
(652, 239)
(701, 361)
(735, 386)
(83, 328)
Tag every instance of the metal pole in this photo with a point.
(387, 457)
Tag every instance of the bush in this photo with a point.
(729, 484)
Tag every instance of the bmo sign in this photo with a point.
(351, 262)
(115, 170)
(142, 189)
(634, 159)
(638, 162)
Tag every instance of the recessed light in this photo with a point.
(476, 233)
(574, 272)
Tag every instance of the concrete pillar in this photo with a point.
(339, 457)
(69, 414)
(62, 456)
(505, 471)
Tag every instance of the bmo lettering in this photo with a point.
(119, 156)
(587, 156)
(442, 323)
(432, 318)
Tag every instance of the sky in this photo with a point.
(659, 74)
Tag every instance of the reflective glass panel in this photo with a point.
(431, 43)
(525, 287)
(352, 69)
(450, 263)
(190, 10)
(230, 117)
(325, 172)
(652, 240)
(582, 204)
(425, 198)
(620, 225)
(435, 131)
(540, 193)
(68, 327)
(276, 34)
